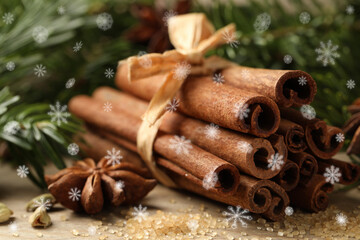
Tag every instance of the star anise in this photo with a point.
(352, 127)
(87, 186)
(153, 25)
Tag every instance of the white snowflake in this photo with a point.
(167, 15)
(341, 219)
(78, 46)
(22, 171)
(241, 110)
(140, 213)
(350, 84)
(245, 73)
(61, 10)
(302, 81)
(327, 53)
(113, 157)
(236, 215)
(182, 70)
(231, 39)
(74, 194)
(180, 144)
(288, 59)
(12, 127)
(73, 149)
(304, 17)
(244, 146)
(172, 105)
(70, 83)
(8, 18)
(13, 227)
(289, 211)
(109, 73)
(107, 107)
(120, 184)
(40, 70)
(10, 66)
(104, 21)
(193, 225)
(339, 137)
(332, 174)
(212, 131)
(43, 203)
(92, 230)
(349, 9)
(58, 113)
(308, 112)
(218, 78)
(144, 60)
(210, 180)
(40, 34)
(275, 161)
(262, 22)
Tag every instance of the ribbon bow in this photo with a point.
(192, 35)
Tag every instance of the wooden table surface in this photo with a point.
(16, 192)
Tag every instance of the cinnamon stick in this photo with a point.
(282, 86)
(191, 158)
(249, 154)
(223, 105)
(320, 138)
(293, 135)
(307, 164)
(314, 197)
(350, 173)
(289, 176)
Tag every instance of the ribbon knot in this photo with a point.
(192, 35)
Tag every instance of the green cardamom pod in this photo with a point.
(40, 218)
(47, 200)
(5, 213)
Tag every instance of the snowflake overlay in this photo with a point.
(244, 146)
(349, 9)
(40, 34)
(341, 219)
(245, 73)
(288, 59)
(350, 84)
(42, 203)
(304, 17)
(58, 113)
(339, 137)
(40, 70)
(218, 78)
(120, 184)
(8, 18)
(236, 215)
(210, 180)
(73, 149)
(231, 39)
(182, 71)
(167, 15)
(109, 73)
(308, 112)
(61, 10)
(11, 128)
(10, 66)
(332, 174)
(140, 213)
(193, 225)
(241, 110)
(144, 60)
(74, 194)
(327, 53)
(172, 105)
(180, 144)
(107, 107)
(302, 81)
(289, 211)
(104, 21)
(212, 131)
(262, 22)
(70, 83)
(22, 171)
(113, 157)
(13, 227)
(275, 161)
(92, 230)
(78, 46)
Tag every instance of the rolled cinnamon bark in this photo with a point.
(294, 136)
(248, 153)
(223, 105)
(314, 197)
(289, 176)
(354, 147)
(352, 124)
(350, 173)
(215, 172)
(320, 138)
(283, 86)
(308, 166)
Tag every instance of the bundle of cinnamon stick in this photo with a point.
(242, 142)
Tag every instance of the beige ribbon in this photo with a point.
(192, 35)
